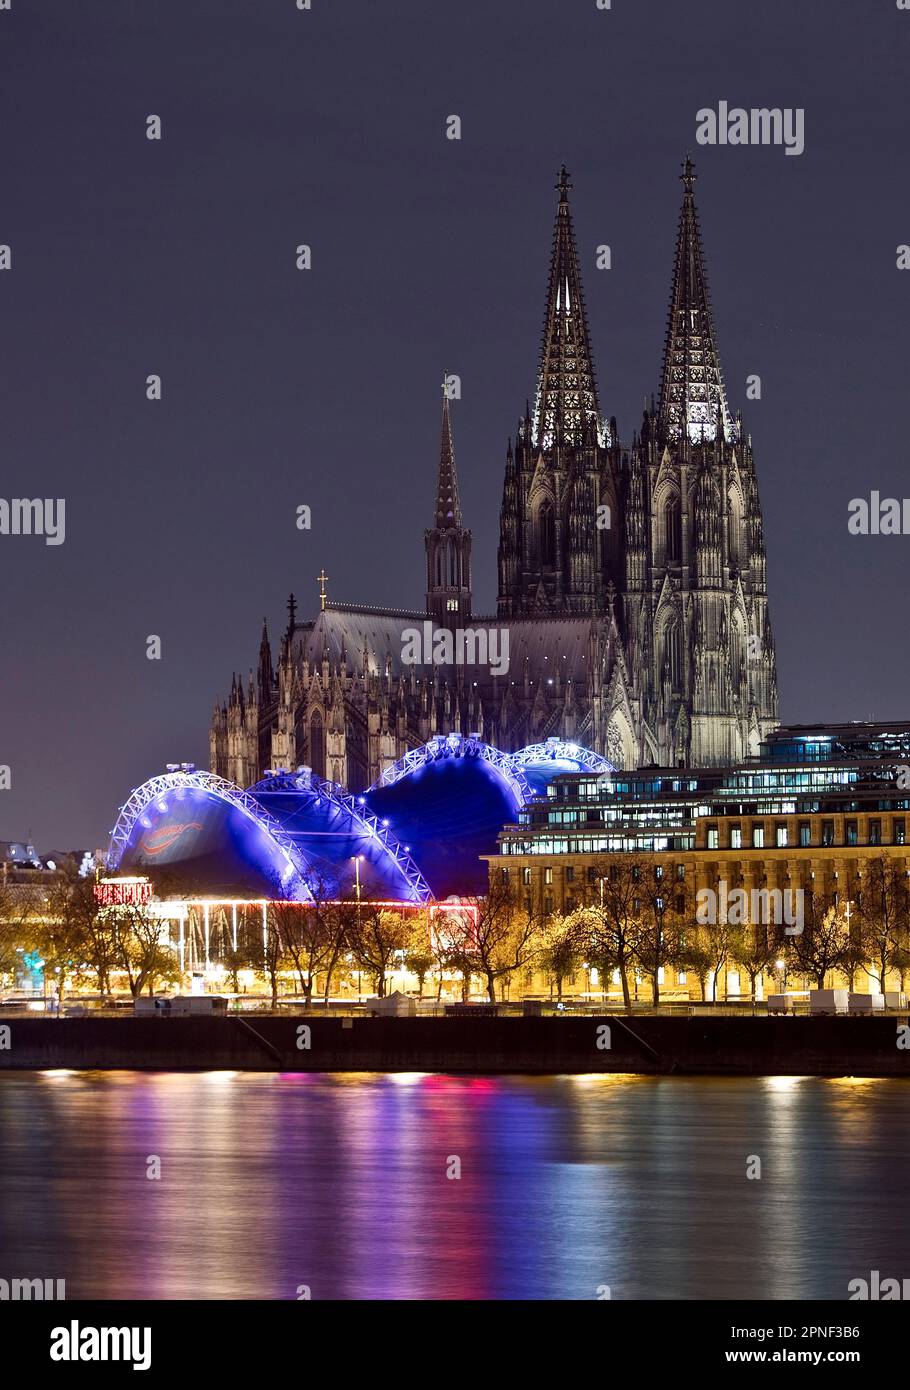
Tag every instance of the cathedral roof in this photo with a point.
(548, 646)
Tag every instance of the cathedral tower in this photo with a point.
(696, 610)
(555, 548)
(448, 545)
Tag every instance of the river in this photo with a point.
(348, 1185)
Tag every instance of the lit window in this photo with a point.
(712, 837)
(781, 836)
(736, 837)
(758, 837)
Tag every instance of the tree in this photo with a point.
(376, 936)
(560, 947)
(824, 942)
(58, 932)
(270, 951)
(881, 903)
(755, 950)
(661, 927)
(141, 948)
(16, 912)
(419, 956)
(615, 919)
(496, 936)
(307, 933)
(94, 935)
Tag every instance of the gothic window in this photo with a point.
(672, 529)
(546, 534)
(317, 745)
(673, 655)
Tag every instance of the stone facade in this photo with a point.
(632, 581)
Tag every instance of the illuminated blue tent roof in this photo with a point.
(291, 836)
(449, 800)
(419, 832)
(541, 762)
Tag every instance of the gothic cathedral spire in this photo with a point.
(448, 544)
(692, 387)
(566, 405)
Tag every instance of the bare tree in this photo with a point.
(662, 926)
(560, 952)
(141, 949)
(755, 949)
(881, 902)
(376, 935)
(419, 956)
(615, 919)
(495, 937)
(824, 942)
(308, 933)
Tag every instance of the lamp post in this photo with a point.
(357, 858)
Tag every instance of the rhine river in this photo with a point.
(339, 1183)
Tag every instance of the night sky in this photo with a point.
(282, 387)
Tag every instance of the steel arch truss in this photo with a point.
(167, 783)
(557, 749)
(459, 746)
(317, 787)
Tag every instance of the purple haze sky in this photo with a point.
(281, 387)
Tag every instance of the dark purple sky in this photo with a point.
(282, 388)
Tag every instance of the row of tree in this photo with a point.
(635, 927)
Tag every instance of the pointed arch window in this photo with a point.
(672, 531)
(673, 657)
(546, 534)
(317, 744)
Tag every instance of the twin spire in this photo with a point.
(692, 393)
(693, 399)
(566, 406)
(692, 396)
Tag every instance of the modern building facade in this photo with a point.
(817, 813)
(632, 581)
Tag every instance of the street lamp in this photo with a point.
(357, 858)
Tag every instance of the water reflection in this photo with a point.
(340, 1183)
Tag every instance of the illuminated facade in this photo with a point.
(815, 812)
(631, 581)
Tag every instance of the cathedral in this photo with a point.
(632, 581)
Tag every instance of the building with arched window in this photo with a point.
(632, 591)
